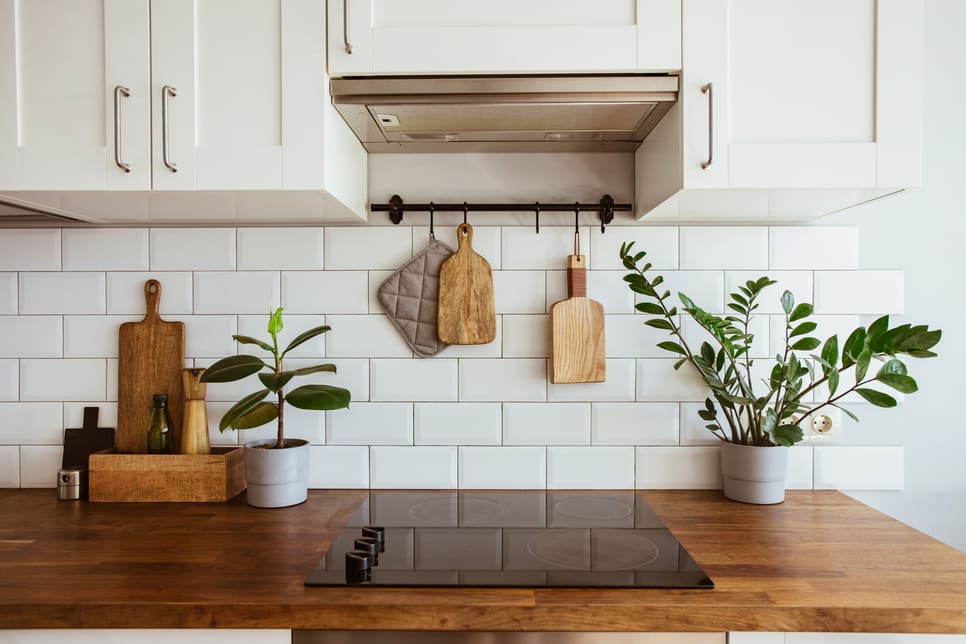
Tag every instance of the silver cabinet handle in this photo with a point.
(709, 90)
(345, 26)
(119, 91)
(166, 92)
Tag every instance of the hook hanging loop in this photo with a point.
(537, 212)
(466, 209)
(606, 211)
(576, 228)
(432, 211)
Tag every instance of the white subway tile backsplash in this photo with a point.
(364, 336)
(92, 336)
(693, 430)
(658, 381)
(10, 466)
(125, 293)
(659, 242)
(526, 336)
(683, 468)
(619, 386)
(458, 423)
(35, 336)
(828, 325)
(263, 249)
(813, 247)
(859, 292)
(105, 249)
(598, 468)
(9, 379)
(30, 250)
(8, 294)
(60, 293)
(492, 349)
(336, 466)
(413, 467)
(499, 380)
(217, 410)
(49, 379)
(800, 468)
(370, 424)
(256, 326)
(376, 278)
(486, 241)
(770, 300)
(325, 292)
(352, 374)
(606, 287)
(32, 423)
(629, 423)
(628, 337)
(546, 424)
(503, 468)
(854, 467)
(520, 291)
(39, 465)
(111, 377)
(705, 288)
(192, 249)
(367, 248)
(523, 250)
(209, 336)
(727, 247)
(416, 379)
(245, 292)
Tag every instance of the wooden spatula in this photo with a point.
(466, 312)
(577, 352)
(150, 360)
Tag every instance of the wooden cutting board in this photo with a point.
(79, 444)
(150, 359)
(466, 312)
(577, 352)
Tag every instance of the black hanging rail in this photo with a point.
(605, 208)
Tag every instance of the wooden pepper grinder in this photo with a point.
(194, 429)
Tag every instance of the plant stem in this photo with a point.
(280, 442)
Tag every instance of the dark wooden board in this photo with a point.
(80, 443)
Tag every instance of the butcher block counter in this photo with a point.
(821, 561)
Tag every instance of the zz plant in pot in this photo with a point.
(758, 418)
(277, 468)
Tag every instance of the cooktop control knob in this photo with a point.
(379, 534)
(357, 567)
(368, 546)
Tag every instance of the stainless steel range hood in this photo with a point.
(611, 113)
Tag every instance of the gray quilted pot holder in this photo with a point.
(410, 297)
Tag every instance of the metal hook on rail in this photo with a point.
(537, 211)
(466, 209)
(432, 211)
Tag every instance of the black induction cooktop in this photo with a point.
(513, 539)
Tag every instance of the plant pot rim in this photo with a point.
(290, 443)
(756, 446)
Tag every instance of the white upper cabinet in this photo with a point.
(503, 36)
(788, 110)
(74, 95)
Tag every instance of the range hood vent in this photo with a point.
(612, 113)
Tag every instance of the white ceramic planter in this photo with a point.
(754, 474)
(277, 478)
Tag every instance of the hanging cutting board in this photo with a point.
(466, 312)
(80, 443)
(577, 352)
(150, 359)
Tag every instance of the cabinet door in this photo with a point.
(60, 127)
(817, 94)
(217, 68)
(467, 36)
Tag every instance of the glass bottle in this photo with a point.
(160, 439)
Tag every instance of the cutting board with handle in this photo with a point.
(466, 313)
(577, 352)
(81, 443)
(149, 361)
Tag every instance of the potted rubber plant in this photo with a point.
(277, 469)
(757, 419)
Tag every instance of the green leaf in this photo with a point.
(806, 344)
(650, 308)
(902, 384)
(877, 398)
(788, 302)
(830, 352)
(263, 412)
(241, 408)
(304, 371)
(803, 328)
(245, 339)
(275, 381)
(853, 346)
(737, 308)
(877, 328)
(686, 301)
(919, 353)
(833, 382)
(677, 365)
(319, 397)
(275, 322)
(894, 366)
(233, 368)
(787, 435)
(707, 352)
(803, 310)
(862, 365)
(304, 337)
(921, 341)
(846, 412)
(673, 347)
(659, 323)
(739, 299)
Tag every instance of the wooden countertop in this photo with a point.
(819, 562)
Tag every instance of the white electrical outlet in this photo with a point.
(825, 425)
